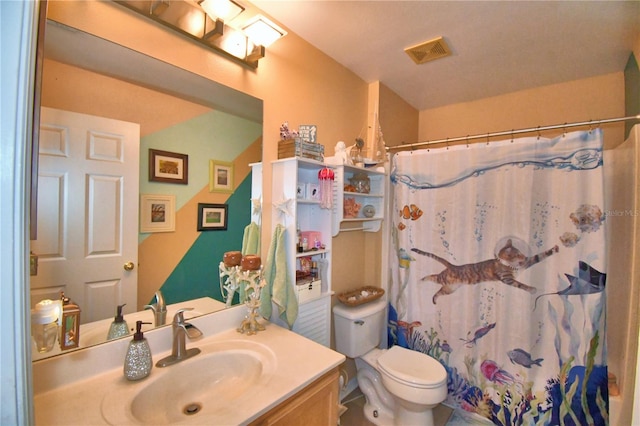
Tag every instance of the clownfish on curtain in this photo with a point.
(498, 271)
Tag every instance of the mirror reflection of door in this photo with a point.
(87, 212)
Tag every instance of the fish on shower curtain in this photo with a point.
(498, 271)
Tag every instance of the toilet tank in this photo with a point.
(358, 328)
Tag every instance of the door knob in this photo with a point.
(129, 266)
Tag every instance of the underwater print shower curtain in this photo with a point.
(498, 271)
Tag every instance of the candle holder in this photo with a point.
(228, 282)
(70, 324)
(252, 282)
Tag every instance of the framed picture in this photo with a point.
(301, 191)
(308, 132)
(168, 167)
(212, 217)
(220, 176)
(313, 191)
(157, 213)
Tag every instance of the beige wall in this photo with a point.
(114, 98)
(580, 100)
(398, 119)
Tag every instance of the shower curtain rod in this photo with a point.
(514, 132)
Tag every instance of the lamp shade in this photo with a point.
(262, 31)
(221, 9)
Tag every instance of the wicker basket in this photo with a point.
(298, 148)
(356, 297)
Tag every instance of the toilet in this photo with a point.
(401, 386)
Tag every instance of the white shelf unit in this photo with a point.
(256, 192)
(375, 198)
(297, 209)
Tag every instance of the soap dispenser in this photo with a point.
(138, 362)
(118, 327)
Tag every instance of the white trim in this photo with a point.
(635, 413)
(18, 46)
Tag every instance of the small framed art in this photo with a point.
(168, 167)
(157, 213)
(212, 217)
(220, 176)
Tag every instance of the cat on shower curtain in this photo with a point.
(503, 268)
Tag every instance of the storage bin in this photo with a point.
(308, 289)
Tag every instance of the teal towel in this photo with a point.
(278, 287)
(251, 239)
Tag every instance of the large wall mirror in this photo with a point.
(134, 153)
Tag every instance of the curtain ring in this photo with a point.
(538, 131)
(564, 129)
(428, 145)
(447, 142)
(488, 138)
(467, 141)
(512, 135)
(590, 126)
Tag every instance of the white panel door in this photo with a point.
(87, 212)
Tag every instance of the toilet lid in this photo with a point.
(413, 368)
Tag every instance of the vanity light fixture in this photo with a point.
(262, 31)
(204, 22)
(159, 7)
(221, 9)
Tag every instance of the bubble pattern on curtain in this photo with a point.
(498, 270)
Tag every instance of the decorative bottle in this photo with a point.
(299, 248)
(138, 362)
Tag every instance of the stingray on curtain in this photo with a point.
(498, 271)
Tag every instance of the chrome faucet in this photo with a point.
(159, 309)
(181, 329)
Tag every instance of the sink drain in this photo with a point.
(191, 409)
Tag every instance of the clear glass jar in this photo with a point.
(44, 325)
(361, 182)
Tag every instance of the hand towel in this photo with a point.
(279, 287)
(251, 239)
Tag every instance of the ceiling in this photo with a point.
(497, 46)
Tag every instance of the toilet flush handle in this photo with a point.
(359, 322)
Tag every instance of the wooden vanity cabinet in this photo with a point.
(317, 404)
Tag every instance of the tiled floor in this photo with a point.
(354, 416)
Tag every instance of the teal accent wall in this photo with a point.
(197, 274)
(631, 93)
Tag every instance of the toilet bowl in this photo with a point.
(417, 381)
(401, 386)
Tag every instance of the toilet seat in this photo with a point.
(412, 368)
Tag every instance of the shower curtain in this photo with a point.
(498, 271)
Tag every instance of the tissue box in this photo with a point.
(308, 289)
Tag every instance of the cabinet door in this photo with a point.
(317, 404)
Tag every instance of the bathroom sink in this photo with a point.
(202, 389)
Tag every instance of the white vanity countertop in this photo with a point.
(61, 399)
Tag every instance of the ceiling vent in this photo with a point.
(428, 51)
